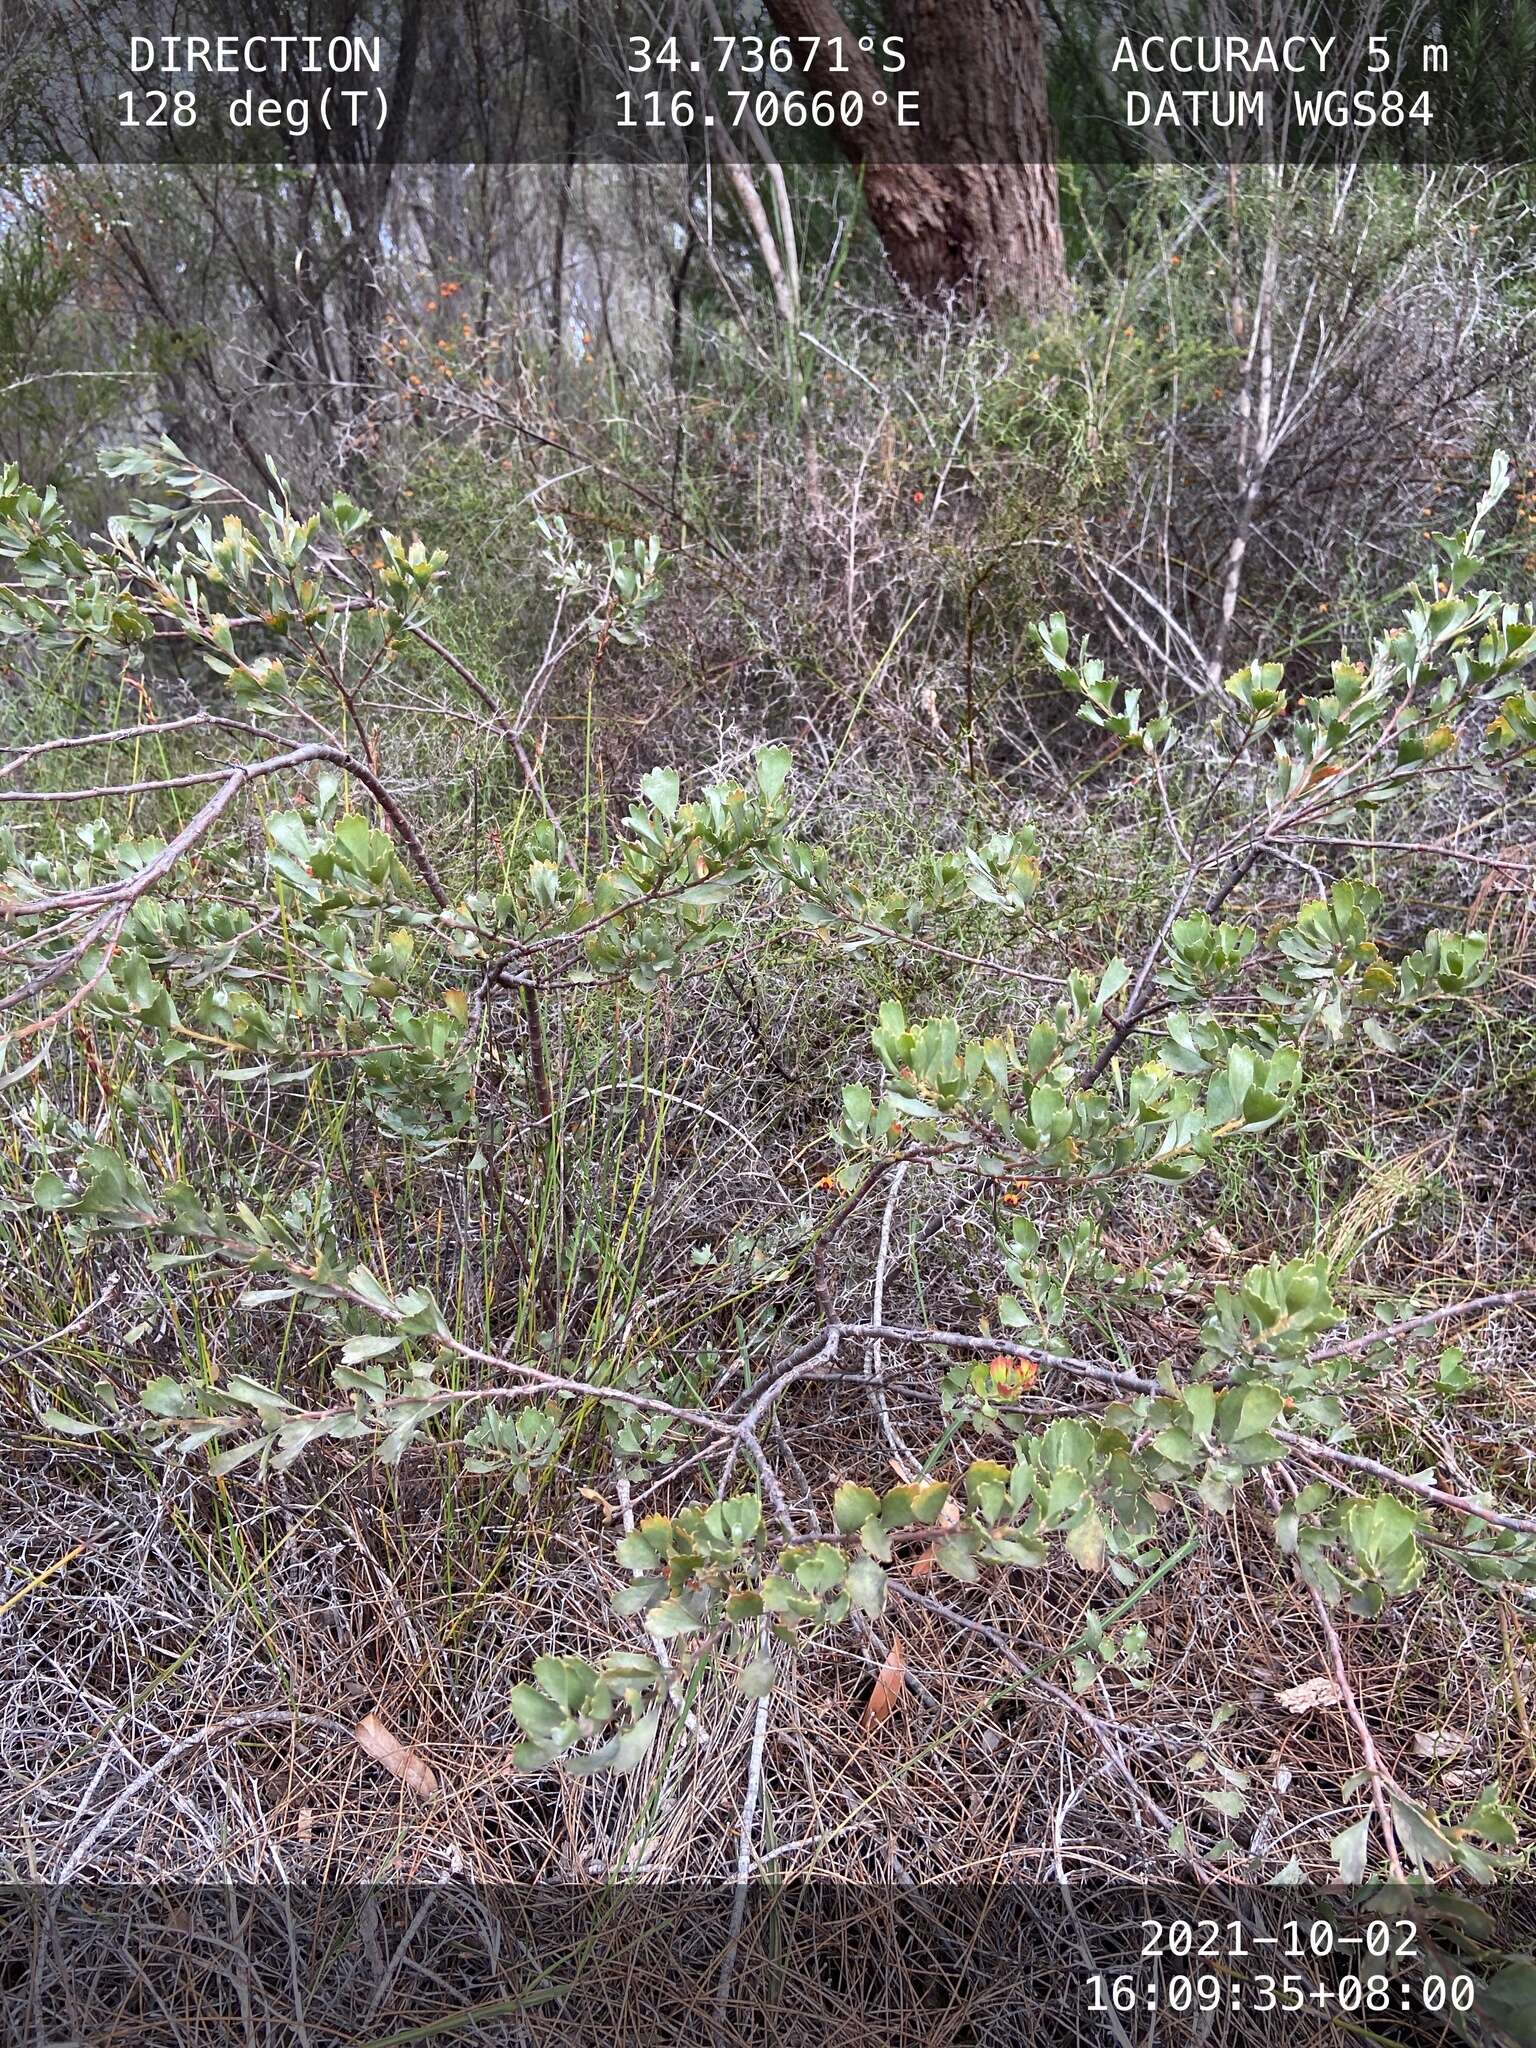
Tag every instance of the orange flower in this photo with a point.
(1011, 1376)
(1010, 1199)
(446, 291)
(828, 1180)
(917, 497)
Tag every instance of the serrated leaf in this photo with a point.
(568, 1681)
(1421, 1835)
(1200, 1402)
(928, 1501)
(821, 1568)
(852, 1507)
(371, 1383)
(662, 789)
(362, 1283)
(956, 1555)
(635, 1599)
(397, 1442)
(626, 1751)
(537, 1715)
(1489, 1818)
(635, 1552)
(866, 1586)
(773, 766)
(1509, 2001)
(240, 1387)
(670, 1618)
(294, 1438)
(1255, 1411)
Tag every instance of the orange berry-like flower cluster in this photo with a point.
(1008, 1377)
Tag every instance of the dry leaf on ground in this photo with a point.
(1439, 1742)
(402, 1762)
(889, 1686)
(1312, 1692)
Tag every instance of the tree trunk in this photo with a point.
(967, 204)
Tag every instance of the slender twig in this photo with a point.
(743, 1858)
(906, 1465)
(1456, 1311)
(1353, 1461)
(234, 780)
(1379, 1782)
(1137, 1383)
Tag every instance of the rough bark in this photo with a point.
(971, 208)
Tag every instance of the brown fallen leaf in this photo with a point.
(1440, 1742)
(374, 1739)
(890, 1684)
(1312, 1692)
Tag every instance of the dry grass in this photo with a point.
(179, 1699)
(180, 1695)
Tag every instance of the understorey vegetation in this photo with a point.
(767, 1082)
(376, 1132)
